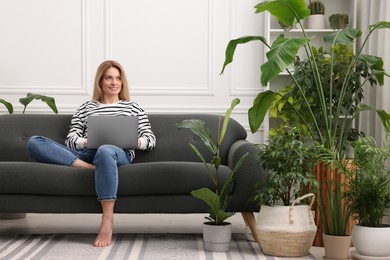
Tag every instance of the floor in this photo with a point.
(124, 223)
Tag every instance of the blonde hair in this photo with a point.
(97, 91)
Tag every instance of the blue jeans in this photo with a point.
(107, 159)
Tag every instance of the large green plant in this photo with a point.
(216, 199)
(368, 192)
(290, 164)
(50, 101)
(329, 130)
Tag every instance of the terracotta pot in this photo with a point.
(336, 247)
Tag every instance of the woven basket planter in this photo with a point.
(286, 231)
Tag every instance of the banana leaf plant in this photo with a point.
(328, 129)
(216, 199)
(50, 101)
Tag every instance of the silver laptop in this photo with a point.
(121, 131)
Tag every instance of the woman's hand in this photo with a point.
(85, 144)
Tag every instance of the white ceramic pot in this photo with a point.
(286, 230)
(216, 238)
(315, 21)
(369, 241)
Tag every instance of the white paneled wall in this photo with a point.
(172, 51)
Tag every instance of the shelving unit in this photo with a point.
(273, 30)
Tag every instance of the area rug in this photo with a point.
(125, 246)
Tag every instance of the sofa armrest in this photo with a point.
(247, 176)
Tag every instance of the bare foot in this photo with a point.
(105, 234)
(81, 164)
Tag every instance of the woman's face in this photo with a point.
(111, 82)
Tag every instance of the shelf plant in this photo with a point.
(325, 126)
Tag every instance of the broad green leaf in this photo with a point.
(8, 105)
(280, 56)
(376, 65)
(383, 115)
(232, 45)
(287, 12)
(379, 25)
(257, 112)
(199, 128)
(31, 96)
(234, 103)
(209, 197)
(345, 36)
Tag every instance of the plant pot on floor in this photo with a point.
(336, 247)
(286, 230)
(371, 241)
(216, 238)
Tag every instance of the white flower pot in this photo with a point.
(315, 21)
(369, 241)
(216, 238)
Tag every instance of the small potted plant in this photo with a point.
(216, 231)
(338, 21)
(368, 197)
(286, 229)
(316, 19)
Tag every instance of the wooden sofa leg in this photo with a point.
(249, 219)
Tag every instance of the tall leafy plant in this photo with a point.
(216, 199)
(329, 130)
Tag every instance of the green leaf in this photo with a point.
(8, 105)
(379, 25)
(199, 128)
(257, 112)
(383, 115)
(234, 103)
(31, 96)
(345, 36)
(232, 45)
(376, 65)
(280, 56)
(287, 12)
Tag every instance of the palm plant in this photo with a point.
(329, 130)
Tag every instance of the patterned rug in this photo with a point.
(125, 246)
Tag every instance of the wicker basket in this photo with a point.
(286, 230)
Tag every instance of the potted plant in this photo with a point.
(338, 21)
(316, 19)
(332, 135)
(368, 197)
(216, 232)
(286, 229)
(28, 99)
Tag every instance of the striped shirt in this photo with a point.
(78, 131)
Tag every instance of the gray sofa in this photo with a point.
(158, 181)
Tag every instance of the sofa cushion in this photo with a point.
(153, 178)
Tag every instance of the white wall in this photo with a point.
(172, 51)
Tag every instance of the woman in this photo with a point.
(110, 97)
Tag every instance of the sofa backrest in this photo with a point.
(172, 143)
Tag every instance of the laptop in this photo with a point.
(121, 131)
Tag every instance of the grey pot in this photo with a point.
(216, 238)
